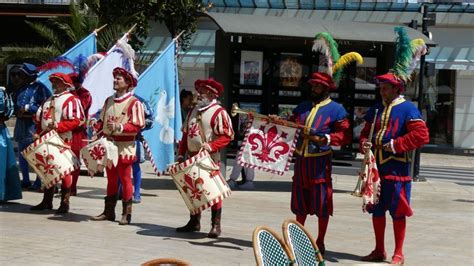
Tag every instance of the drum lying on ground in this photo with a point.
(99, 154)
(200, 182)
(51, 158)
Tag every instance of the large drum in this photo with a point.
(98, 155)
(51, 158)
(200, 182)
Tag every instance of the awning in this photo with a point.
(243, 24)
(455, 48)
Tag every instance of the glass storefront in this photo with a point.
(438, 110)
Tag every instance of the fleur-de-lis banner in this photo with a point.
(268, 147)
(371, 185)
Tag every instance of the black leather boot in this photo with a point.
(64, 207)
(109, 210)
(193, 225)
(126, 212)
(216, 224)
(47, 202)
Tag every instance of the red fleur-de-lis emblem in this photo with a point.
(193, 130)
(43, 163)
(97, 152)
(193, 187)
(268, 145)
(48, 114)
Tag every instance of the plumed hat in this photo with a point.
(29, 69)
(211, 85)
(325, 44)
(126, 75)
(323, 79)
(407, 54)
(62, 77)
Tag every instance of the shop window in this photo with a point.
(439, 105)
(438, 109)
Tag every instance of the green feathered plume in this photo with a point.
(325, 44)
(403, 55)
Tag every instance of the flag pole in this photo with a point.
(131, 29)
(179, 35)
(99, 29)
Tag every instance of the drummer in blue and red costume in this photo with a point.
(326, 125)
(399, 129)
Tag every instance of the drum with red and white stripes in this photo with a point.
(51, 158)
(200, 182)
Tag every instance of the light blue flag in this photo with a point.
(158, 84)
(71, 60)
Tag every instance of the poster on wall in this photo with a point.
(285, 111)
(365, 74)
(291, 69)
(251, 65)
(243, 118)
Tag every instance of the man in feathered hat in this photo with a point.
(121, 119)
(63, 113)
(399, 129)
(326, 125)
(80, 133)
(27, 99)
(207, 126)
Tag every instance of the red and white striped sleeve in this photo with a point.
(136, 120)
(222, 124)
(72, 109)
(137, 116)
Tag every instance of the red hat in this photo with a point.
(323, 79)
(63, 77)
(391, 79)
(209, 84)
(126, 75)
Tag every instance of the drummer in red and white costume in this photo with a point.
(207, 126)
(63, 113)
(121, 119)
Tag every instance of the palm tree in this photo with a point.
(61, 34)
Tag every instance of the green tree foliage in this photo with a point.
(120, 16)
(180, 16)
(60, 33)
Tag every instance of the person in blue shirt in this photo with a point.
(137, 173)
(27, 99)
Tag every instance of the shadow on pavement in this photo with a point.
(333, 256)
(70, 217)
(25, 208)
(21, 208)
(169, 233)
(266, 186)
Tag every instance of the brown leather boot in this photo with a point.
(193, 225)
(64, 207)
(126, 212)
(216, 224)
(109, 210)
(47, 202)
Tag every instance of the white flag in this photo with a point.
(100, 80)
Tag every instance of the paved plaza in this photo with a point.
(440, 232)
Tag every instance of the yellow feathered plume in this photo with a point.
(416, 44)
(347, 59)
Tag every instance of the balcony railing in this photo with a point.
(37, 2)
